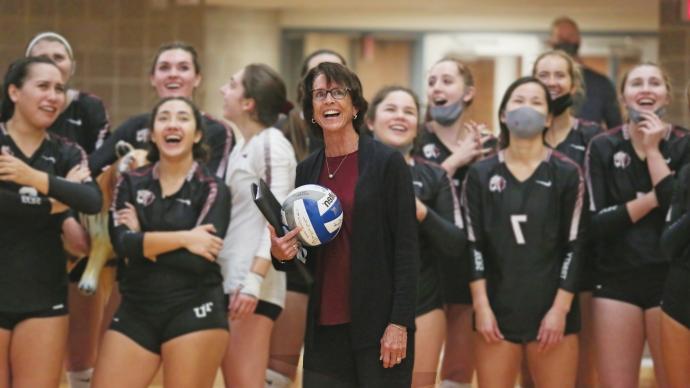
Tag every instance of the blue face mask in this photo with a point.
(525, 122)
(447, 115)
(635, 116)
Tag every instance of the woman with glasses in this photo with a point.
(288, 333)
(361, 316)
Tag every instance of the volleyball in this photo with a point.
(316, 210)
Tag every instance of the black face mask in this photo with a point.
(560, 104)
(570, 48)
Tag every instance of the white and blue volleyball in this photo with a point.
(316, 210)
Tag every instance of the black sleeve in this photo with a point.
(607, 220)
(106, 154)
(220, 143)
(219, 207)
(98, 123)
(664, 192)
(291, 265)
(471, 201)
(571, 231)
(126, 242)
(674, 239)
(400, 211)
(84, 197)
(443, 223)
(15, 204)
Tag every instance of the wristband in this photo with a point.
(252, 284)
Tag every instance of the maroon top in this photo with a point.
(333, 269)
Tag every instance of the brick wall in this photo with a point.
(114, 42)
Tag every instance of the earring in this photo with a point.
(355, 116)
(313, 121)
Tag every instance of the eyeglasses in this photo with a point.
(336, 93)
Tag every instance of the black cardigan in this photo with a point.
(384, 251)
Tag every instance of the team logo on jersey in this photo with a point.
(431, 151)
(497, 184)
(621, 159)
(29, 195)
(76, 122)
(145, 197)
(5, 150)
(51, 159)
(143, 135)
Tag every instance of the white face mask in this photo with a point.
(525, 122)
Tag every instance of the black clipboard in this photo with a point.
(272, 212)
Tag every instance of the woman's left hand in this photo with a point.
(241, 305)
(14, 170)
(653, 131)
(551, 329)
(128, 216)
(393, 345)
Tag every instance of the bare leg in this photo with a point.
(619, 334)
(458, 357)
(652, 319)
(37, 350)
(555, 367)
(288, 335)
(675, 347)
(431, 330)
(586, 366)
(86, 313)
(246, 358)
(123, 363)
(498, 364)
(192, 360)
(5, 339)
(111, 306)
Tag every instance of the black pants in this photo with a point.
(330, 362)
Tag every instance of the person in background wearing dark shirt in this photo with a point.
(83, 120)
(175, 71)
(393, 118)
(630, 176)
(600, 104)
(570, 136)
(360, 326)
(166, 221)
(37, 169)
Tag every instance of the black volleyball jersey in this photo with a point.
(84, 121)
(675, 239)
(218, 136)
(524, 236)
(575, 144)
(615, 176)
(32, 260)
(178, 275)
(441, 235)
